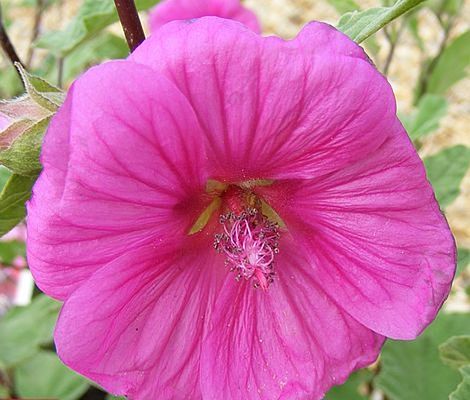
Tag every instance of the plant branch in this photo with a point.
(40, 6)
(423, 83)
(393, 41)
(6, 44)
(130, 22)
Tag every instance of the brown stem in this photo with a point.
(6, 44)
(40, 5)
(393, 41)
(424, 81)
(130, 22)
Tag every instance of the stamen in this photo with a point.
(250, 241)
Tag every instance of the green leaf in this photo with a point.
(463, 390)
(344, 6)
(12, 201)
(350, 390)
(42, 92)
(359, 25)
(10, 250)
(455, 352)
(24, 329)
(22, 155)
(413, 25)
(111, 397)
(92, 18)
(445, 171)
(463, 259)
(451, 66)
(103, 47)
(45, 376)
(431, 109)
(413, 370)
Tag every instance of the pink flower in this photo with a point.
(4, 122)
(228, 216)
(171, 10)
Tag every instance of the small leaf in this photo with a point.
(463, 390)
(92, 18)
(413, 370)
(45, 376)
(350, 390)
(24, 329)
(463, 259)
(344, 6)
(13, 197)
(22, 108)
(22, 155)
(431, 109)
(451, 66)
(455, 352)
(359, 25)
(11, 250)
(40, 91)
(446, 170)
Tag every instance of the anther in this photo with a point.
(250, 241)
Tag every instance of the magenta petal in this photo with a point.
(4, 122)
(270, 108)
(136, 325)
(171, 10)
(377, 241)
(290, 342)
(120, 171)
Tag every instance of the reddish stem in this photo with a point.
(130, 22)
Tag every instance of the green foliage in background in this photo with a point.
(436, 366)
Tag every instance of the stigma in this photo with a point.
(250, 242)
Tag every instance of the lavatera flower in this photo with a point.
(171, 10)
(234, 217)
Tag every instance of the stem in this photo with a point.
(6, 44)
(423, 84)
(60, 72)
(130, 22)
(393, 45)
(40, 6)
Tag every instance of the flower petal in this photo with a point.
(136, 325)
(123, 165)
(171, 10)
(377, 241)
(291, 341)
(270, 108)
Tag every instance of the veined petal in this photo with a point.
(377, 241)
(289, 342)
(171, 10)
(270, 108)
(120, 171)
(136, 325)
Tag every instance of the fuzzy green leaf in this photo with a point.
(13, 197)
(426, 119)
(463, 390)
(45, 376)
(451, 66)
(413, 370)
(344, 6)
(350, 390)
(40, 91)
(455, 352)
(92, 18)
(463, 259)
(22, 155)
(24, 329)
(446, 170)
(359, 25)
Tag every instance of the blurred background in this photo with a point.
(425, 55)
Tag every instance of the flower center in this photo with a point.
(250, 241)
